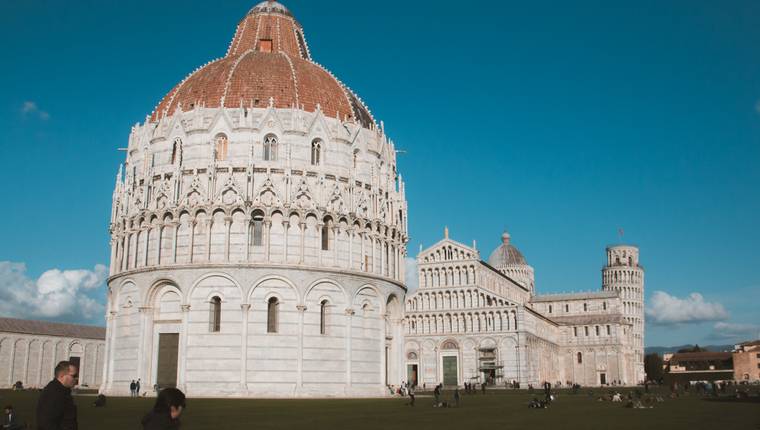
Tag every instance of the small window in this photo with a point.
(550, 308)
(323, 317)
(215, 317)
(258, 230)
(272, 311)
(585, 330)
(580, 358)
(356, 158)
(575, 331)
(316, 152)
(221, 147)
(265, 45)
(597, 330)
(176, 151)
(585, 307)
(608, 331)
(567, 308)
(604, 306)
(270, 148)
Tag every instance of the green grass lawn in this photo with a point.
(496, 410)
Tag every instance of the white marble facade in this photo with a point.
(188, 227)
(498, 331)
(29, 351)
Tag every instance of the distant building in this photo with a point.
(684, 367)
(29, 351)
(746, 357)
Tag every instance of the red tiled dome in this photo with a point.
(268, 58)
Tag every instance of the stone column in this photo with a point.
(40, 381)
(106, 383)
(137, 248)
(363, 259)
(302, 245)
(383, 260)
(245, 307)
(159, 239)
(144, 346)
(320, 226)
(372, 243)
(285, 228)
(227, 227)
(25, 371)
(349, 326)
(209, 225)
(114, 255)
(124, 261)
(350, 234)
(248, 227)
(147, 245)
(192, 240)
(13, 360)
(299, 375)
(181, 379)
(336, 231)
(268, 237)
(175, 239)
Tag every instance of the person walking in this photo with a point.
(55, 408)
(437, 395)
(166, 411)
(132, 387)
(137, 388)
(411, 396)
(456, 397)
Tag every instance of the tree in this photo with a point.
(653, 366)
(696, 348)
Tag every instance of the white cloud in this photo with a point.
(411, 275)
(31, 108)
(665, 309)
(735, 332)
(70, 295)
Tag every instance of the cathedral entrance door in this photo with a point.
(603, 378)
(411, 375)
(450, 371)
(168, 349)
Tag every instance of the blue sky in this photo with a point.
(559, 121)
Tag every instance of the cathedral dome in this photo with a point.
(268, 62)
(506, 254)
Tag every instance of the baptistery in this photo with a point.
(258, 232)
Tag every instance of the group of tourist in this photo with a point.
(134, 388)
(56, 409)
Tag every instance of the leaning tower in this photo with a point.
(624, 274)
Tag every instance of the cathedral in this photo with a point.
(472, 321)
(258, 237)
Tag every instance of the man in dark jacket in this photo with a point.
(55, 408)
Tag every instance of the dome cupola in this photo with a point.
(507, 259)
(267, 63)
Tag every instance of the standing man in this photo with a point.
(137, 388)
(132, 386)
(55, 408)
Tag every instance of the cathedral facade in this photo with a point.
(258, 232)
(472, 321)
